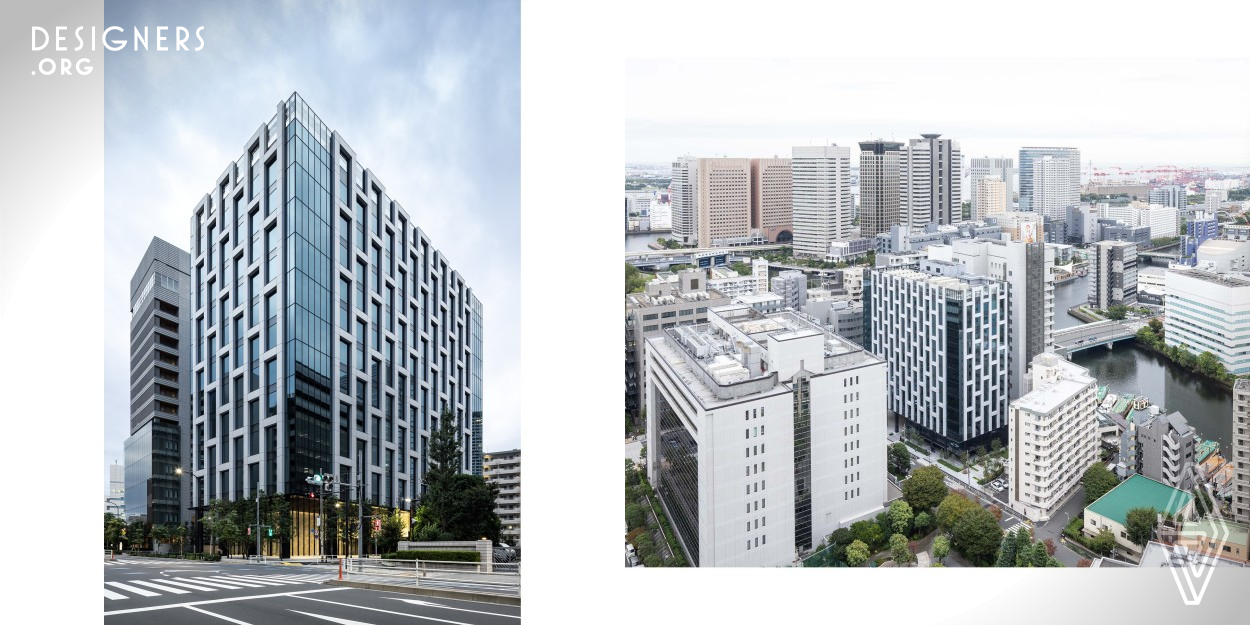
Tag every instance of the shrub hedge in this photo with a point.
(435, 555)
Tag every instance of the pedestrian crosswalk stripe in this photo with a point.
(176, 591)
(252, 580)
(228, 580)
(108, 594)
(138, 591)
(273, 579)
(204, 581)
(181, 584)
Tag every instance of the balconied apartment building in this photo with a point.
(812, 455)
(1052, 436)
(330, 334)
(1241, 451)
(503, 468)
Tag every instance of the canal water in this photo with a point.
(639, 242)
(1130, 369)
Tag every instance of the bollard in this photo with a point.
(340, 569)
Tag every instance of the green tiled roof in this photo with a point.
(1139, 491)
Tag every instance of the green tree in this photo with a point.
(635, 516)
(1139, 524)
(1156, 326)
(161, 534)
(1008, 552)
(1116, 312)
(1103, 543)
(456, 506)
(867, 532)
(113, 526)
(137, 535)
(900, 516)
(1097, 480)
(954, 507)
(899, 459)
(857, 553)
(635, 280)
(1039, 557)
(899, 550)
(925, 488)
(976, 535)
(941, 547)
(922, 523)
(1207, 363)
(742, 268)
(841, 536)
(392, 530)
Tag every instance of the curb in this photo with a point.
(430, 592)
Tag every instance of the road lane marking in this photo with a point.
(361, 607)
(228, 580)
(186, 585)
(205, 582)
(220, 616)
(137, 591)
(108, 594)
(260, 579)
(176, 591)
(444, 607)
(227, 600)
(340, 621)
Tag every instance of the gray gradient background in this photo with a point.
(51, 238)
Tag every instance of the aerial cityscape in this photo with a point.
(940, 358)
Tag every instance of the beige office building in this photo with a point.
(771, 207)
(990, 197)
(723, 201)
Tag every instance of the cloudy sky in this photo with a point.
(1118, 112)
(427, 93)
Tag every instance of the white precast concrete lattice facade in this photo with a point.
(683, 200)
(943, 335)
(1209, 312)
(1052, 436)
(821, 197)
(811, 454)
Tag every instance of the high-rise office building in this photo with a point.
(116, 500)
(943, 334)
(1114, 279)
(1061, 193)
(330, 335)
(878, 187)
(157, 450)
(930, 181)
(771, 209)
(1206, 313)
(984, 167)
(1172, 195)
(503, 468)
(813, 452)
(1052, 189)
(723, 204)
(1052, 436)
(989, 197)
(684, 200)
(1241, 451)
(821, 197)
(1026, 269)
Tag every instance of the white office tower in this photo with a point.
(943, 333)
(1171, 195)
(1163, 220)
(792, 287)
(984, 167)
(821, 201)
(989, 197)
(1027, 269)
(1052, 436)
(1053, 191)
(661, 216)
(1069, 193)
(1207, 312)
(930, 182)
(682, 200)
(1213, 198)
(811, 457)
(759, 270)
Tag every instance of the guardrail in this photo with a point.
(485, 577)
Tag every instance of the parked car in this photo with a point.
(629, 548)
(504, 553)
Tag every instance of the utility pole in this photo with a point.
(360, 518)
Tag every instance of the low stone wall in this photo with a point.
(484, 548)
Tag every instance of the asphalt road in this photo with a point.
(142, 591)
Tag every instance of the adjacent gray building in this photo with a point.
(1057, 184)
(158, 449)
(1241, 451)
(878, 186)
(1159, 446)
(1114, 280)
(792, 287)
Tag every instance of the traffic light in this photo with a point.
(249, 530)
(271, 532)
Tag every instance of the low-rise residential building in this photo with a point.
(792, 287)
(730, 283)
(1052, 436)
(503, 468)
(812, 458)
(1203, 537)
(762, 302)
(1138, 491)
(847, 251)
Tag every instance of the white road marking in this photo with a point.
(259, 579)
(340, 621)
(224, 618)
(137, 591)
(176, 591)
(227, 600)
(204, 581)
(186, 585)
(229, 580)
(108, 594)
(444, 607)
(361, 607)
